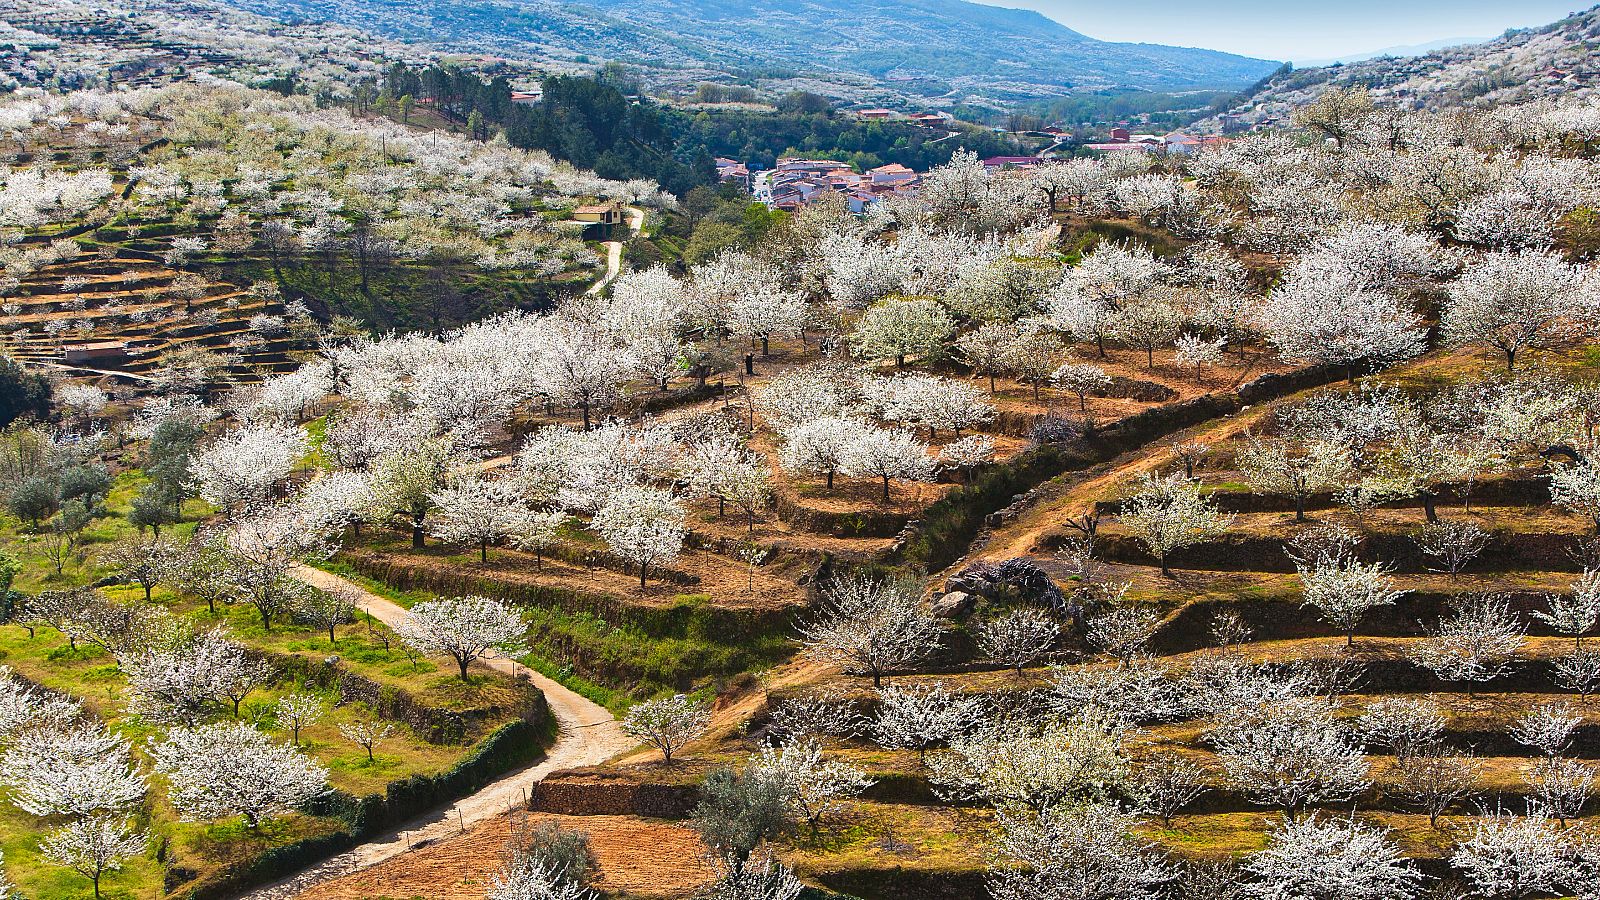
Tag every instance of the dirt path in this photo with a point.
(589, 735)
(614, 251)
(1098, 483)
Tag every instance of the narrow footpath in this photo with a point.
(614, 251)
(588, 735)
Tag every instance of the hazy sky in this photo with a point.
(1295, 29)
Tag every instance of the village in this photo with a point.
(796, 181)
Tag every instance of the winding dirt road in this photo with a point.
(589, 735)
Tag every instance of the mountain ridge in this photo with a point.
(1399, 51)
(952, 47)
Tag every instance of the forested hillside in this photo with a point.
(601, 123)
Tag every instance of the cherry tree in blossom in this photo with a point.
(1513, 302)
(464, 629)
(869, 627)
(668, 724)
(888, 454)
(242, 467)
(642, 525)
(223, 770)
(93, 846)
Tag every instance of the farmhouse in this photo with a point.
(731, 171)
(600, 220)
(96, 353)
(998, 163)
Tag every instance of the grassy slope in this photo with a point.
(92, 675)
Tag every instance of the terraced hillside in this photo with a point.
(1232, 606)
(154, 313)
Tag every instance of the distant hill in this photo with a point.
(916, 47)
(1560, 59)
(1400, 51)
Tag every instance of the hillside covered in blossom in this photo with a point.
(388, 511)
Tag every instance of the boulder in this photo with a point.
(954, 605)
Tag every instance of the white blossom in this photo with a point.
(669, 723)
(642, 525)
(71, 770)
(464, 629)
(216, 771)
(1320, 857)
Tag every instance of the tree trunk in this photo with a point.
(830, 479)
(1428, 507)
(643, 568)
(585, 408)
(1299, 507)
(463, 664)
(766, 349)
(886, 489)
(416, 535)
(483, 552)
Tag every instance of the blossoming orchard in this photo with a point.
(1207, 525)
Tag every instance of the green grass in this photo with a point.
(616, 702)
(646, 664)
(108, 527)
(91, 674)
(344, 570)
(316, 434)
